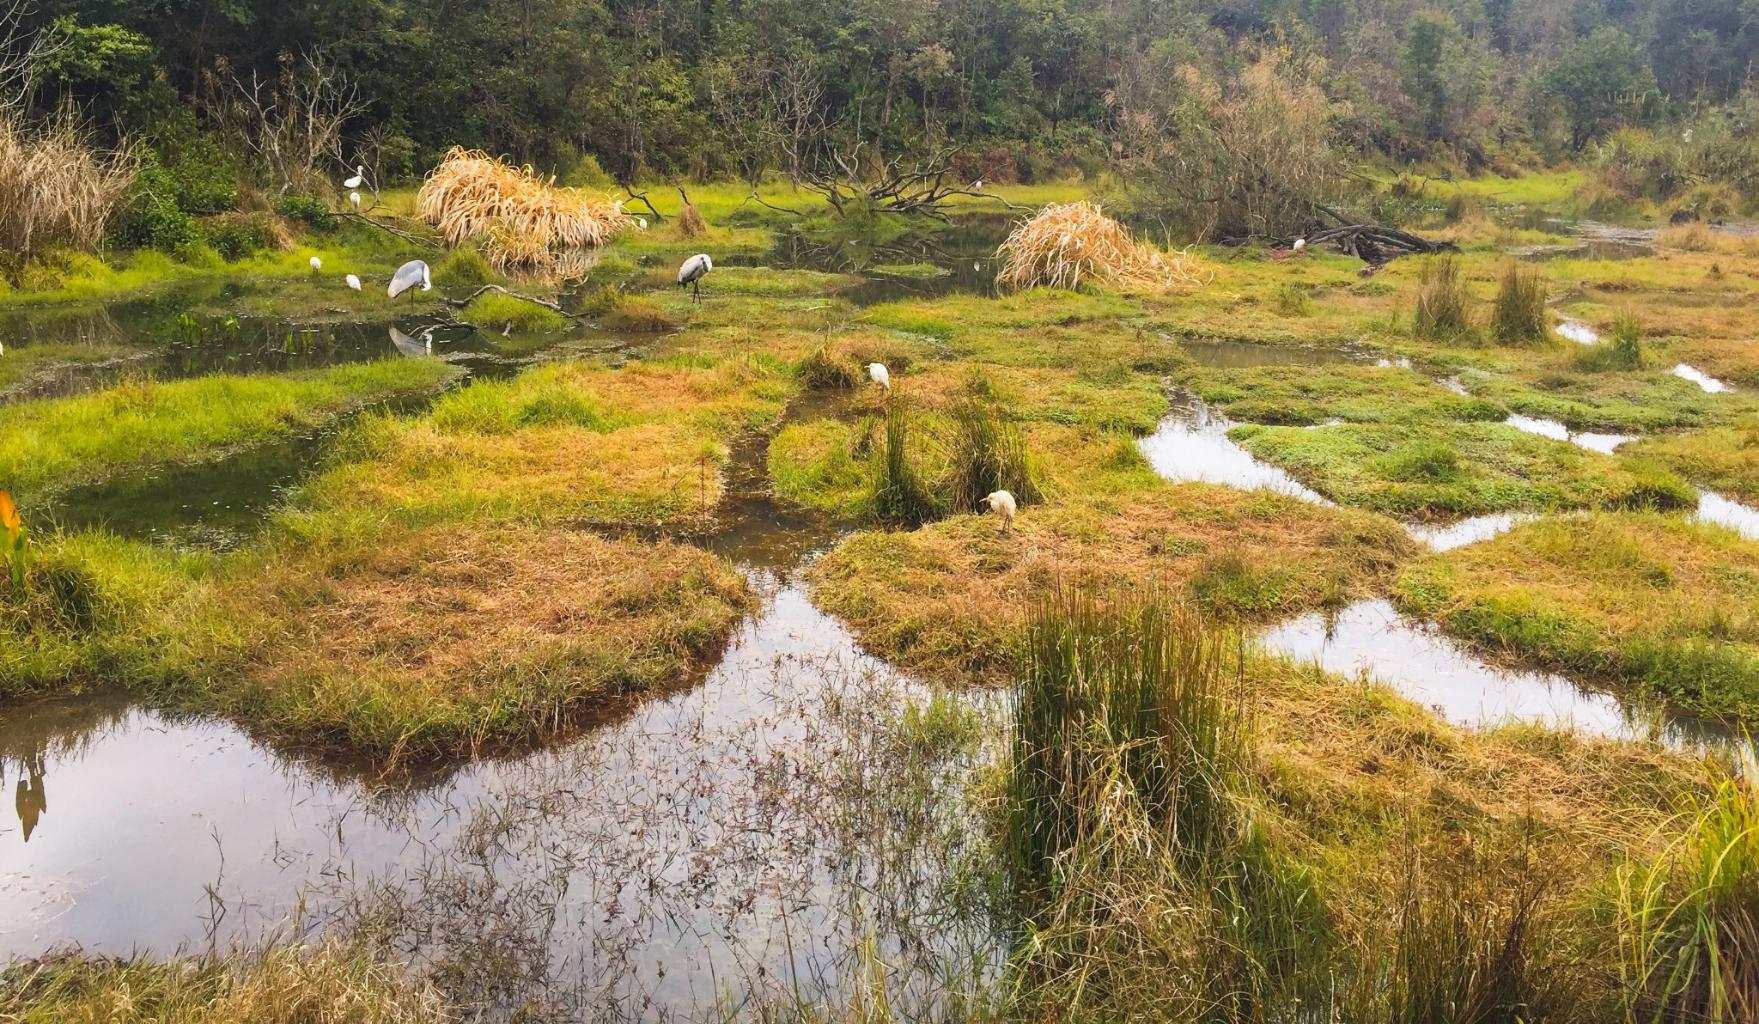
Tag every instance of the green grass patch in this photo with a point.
(1661, 603)
(1450, 470)
(498, 309)
(1307, 395)
(47, 445)
(1724, 459)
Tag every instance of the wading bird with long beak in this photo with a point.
(877, 373)
(693, 271)
(358, 179)
(1003, 505)
(352, 282)
(408, 276)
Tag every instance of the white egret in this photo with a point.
(877, 373)
(358, 179)
(410, 274)
(977, 186)
(354, 201)
(1300, 243)
(641, 222)
(693, 271)
(352, 282)
(316, 264)
(1002, 504)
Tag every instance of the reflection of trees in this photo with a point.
(31, 801)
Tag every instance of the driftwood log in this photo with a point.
(1374, 244)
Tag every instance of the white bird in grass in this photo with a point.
(1002, 504)
(358, 179)
(641, 222)
(693, 271)
(316, 264)
(877, 373)
(1300, 243)
(354, 201)
(410, 274)
(352, 282)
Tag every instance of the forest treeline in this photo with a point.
(1277, 96)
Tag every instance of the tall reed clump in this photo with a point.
(56, 187)
(1519, 318)
(986, 454)
(900, 496)
(1689, 919)
(1146, 891)
(1068, 244)
(523, 218)
(1442, 302)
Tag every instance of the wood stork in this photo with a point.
(352, 281)
(877, 373)
(409, 275)
(693, 271)
(409, 346)
(358, 179)
(1002, 504)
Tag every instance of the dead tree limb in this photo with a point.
(547, 304)
(382, 226)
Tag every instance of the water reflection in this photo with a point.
(1700, 378)
(1192, 444)
(1605, 444)
(1743, 519)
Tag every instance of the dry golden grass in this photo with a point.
(454, 639)
(285, 983)
(56, 189)
(690, 222)
(524, 217)
(1068, 244)
(953, 596)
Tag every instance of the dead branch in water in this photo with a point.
(547, 304)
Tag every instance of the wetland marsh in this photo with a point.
(602, 673)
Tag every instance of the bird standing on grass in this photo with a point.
(354, 201)
(352, 282)
(1300, 243)
(409, 275)
(877, 373)
(1002, 504)
(316, 264)
(693, 271)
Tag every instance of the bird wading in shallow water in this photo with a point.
(409, 276)
(1003, 505)
(693, 271)
(877, 373)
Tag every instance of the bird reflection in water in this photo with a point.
(30, 799)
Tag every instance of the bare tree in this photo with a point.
(288, 125)
(22, 52)
(914, 181)
(799, 125)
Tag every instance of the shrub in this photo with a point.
(1442, 302)
(308, 210)
(473, 195)
(1519, 316)
(1291, 300)
(150, 218)
(239, 236)
(1066, 245)
(463, 267)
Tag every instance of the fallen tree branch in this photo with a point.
(754, 198)
(547, 304)
(381, 225)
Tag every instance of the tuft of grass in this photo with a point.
(900, 495)
(1688, 918)
(1622, 350)
(821, 371)
(1292, 300)
(1069, 245)
(1442, 302)
(689, 222)
(497, 309)
(1519, 316)
(640, 314)
(464, 267)
(523, 217)
(986, 453)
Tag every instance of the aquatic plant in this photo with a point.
(1442, 302)
(522, 216)
(1068, 244)
(1689, 917)
(1519, 317)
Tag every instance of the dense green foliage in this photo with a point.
(1028, 85)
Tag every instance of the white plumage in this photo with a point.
(1300, 243)
(409, 275)
(316, 264)
(693, 271)
(1002, 504)
(878, 373)
(354, 200)
(641, 222)
(358, 179)
(352, 282)
(405, 344)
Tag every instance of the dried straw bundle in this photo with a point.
(472, 194)
(1067, 244)
(56, 189)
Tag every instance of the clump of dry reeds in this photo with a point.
(526, 218)
(1068, 244)
(56, 188)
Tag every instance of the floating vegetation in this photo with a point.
(1068, 244)
(523, 218)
